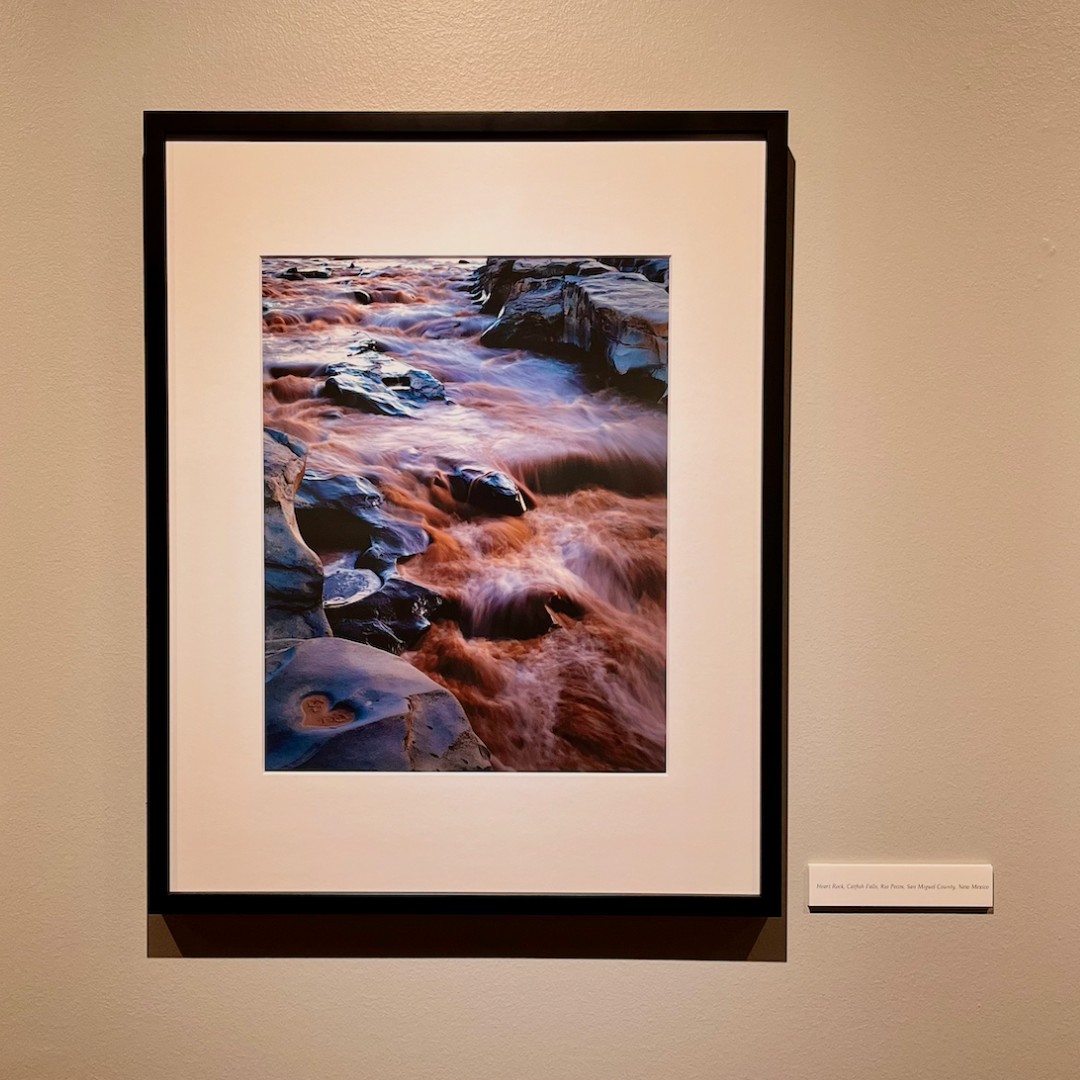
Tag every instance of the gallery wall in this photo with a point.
(935, 605)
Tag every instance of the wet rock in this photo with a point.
(281, 624)
(381, 384)
(487, 490)
(338, 512)
(581, 307)
(653, 268)
(390, 542)
(344, 587)
(371, 632)
(497, 277)
(531, 319)
(413, 383)
(365, 395)
(293, 572)
(366, 345)
(341, 491)
(338, 705)
(401, 607)
(381, 540)
(299, 273)
(298, 448)
(621, 316)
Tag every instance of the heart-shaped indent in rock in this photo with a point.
(316, 713)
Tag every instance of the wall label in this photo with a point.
(968, 886)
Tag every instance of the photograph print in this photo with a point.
(465, 512)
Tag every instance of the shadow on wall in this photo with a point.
(541, 936)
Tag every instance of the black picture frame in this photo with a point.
(163, 128)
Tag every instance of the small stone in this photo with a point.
(486, 489)
(348, 586)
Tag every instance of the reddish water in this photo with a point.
(590, 695)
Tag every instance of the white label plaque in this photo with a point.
(900, 885)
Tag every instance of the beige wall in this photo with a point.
(935, 605)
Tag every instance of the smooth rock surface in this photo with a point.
(624, 317)
(531, 319)
(293, 572)
(336, 491)
(339, 705)
(299, 273)
(342, 512)
(373, 632)
(488, 490)
(344, 587)
(381, 384)
(655, 268)
(402, 607)
(497, 277)
(573, 307)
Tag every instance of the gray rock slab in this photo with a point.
(339, 705)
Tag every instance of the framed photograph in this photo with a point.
(467, 471)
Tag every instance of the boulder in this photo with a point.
(283, 624)
(381, 384)
(623, 317)
(380, 540)
(409, 382)
(619, 317)
(401, 607)
(337, 491)
(389, 542)
(363, 394)
(365, 345)
(487, 490)
(341, 512)
(344, 587)
(339, 705)
(531, 319)
(298, 448)
(373, 632)
(299, 273)
(497, 277)
(293, 572)
(655, 268)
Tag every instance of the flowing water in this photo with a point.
(590, 694)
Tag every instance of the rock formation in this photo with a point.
(622, 316)
(294, 574)
(379, 384)
(580, 308)
(338, 705)
(488, 490)
(393, 617)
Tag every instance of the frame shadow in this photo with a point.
(604, 937)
